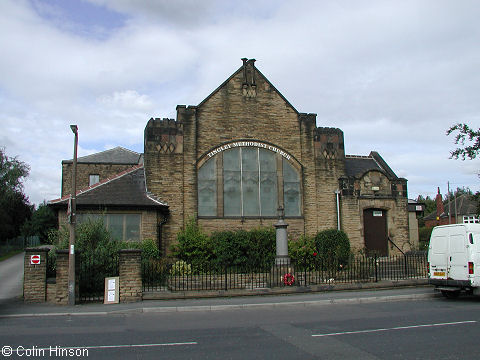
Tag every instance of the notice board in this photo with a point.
(111, 290)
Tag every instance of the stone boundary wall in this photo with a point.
(61, 288)
(35, 281)
(130, 272)
(35, 276)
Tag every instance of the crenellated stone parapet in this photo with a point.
(164, 136)
(329, 143)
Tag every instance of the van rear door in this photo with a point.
(438, 254)
(474, 244)
(458, 259)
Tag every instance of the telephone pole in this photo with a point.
(72, 220)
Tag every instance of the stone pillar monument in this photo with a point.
(281, 236)
(281, 273)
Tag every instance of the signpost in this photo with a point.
(34, 259)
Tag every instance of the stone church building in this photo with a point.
(231, 162)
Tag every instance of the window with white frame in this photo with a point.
(93, 179)
(470, 219)
(248, 182)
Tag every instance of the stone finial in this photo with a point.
(249, 85)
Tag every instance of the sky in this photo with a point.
(393, 75)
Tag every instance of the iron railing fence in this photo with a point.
(174, 275)
(91, 276)
(18, 243)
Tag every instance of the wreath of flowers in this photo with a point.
(288, 279)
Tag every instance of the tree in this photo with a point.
(14, 205)
(459, 192)
(465, 133)
(430, 204)
(42, 221)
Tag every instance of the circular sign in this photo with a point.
(35, 259)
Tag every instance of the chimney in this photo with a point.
(439, 202)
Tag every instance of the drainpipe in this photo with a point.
(159, 236)
(337, 192)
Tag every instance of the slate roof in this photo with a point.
(465, 206)
(356, 166)
(118, 155)
(126, 189)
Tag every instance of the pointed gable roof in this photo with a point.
(125, 189)
(117, 155)
(247, 62)
(356, 166)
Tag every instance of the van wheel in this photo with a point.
(451, 294)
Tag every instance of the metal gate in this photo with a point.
(92, 274)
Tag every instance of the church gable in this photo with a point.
(246, 106)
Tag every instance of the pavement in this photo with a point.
(16, 308)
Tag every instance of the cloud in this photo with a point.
(129, 99)
(392, 75)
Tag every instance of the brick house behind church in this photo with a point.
(233, 159)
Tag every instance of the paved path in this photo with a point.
(18, 308)
(11, 277)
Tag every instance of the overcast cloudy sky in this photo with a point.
(393, 75)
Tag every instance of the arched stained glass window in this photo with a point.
(291, 189)
(207, 189)
(251, 182)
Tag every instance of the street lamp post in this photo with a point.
(72, 220)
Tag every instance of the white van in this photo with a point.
(454, 259)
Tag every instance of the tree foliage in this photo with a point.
(42, 221)
(465, 134)
(14, 205)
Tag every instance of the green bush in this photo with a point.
(93, 243)
(333, 247)
(244, 248)
(149, 249)
(193, 246)
(262, 245)
(424, 237)
(181, 268)
(303, 252)
(224, 248)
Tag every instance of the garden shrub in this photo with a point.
(303, 252)
(244, 248)
(333, 247)
(149, 249)
(193, 246)
(224, 248)
(424, 237)
(228, 247)
(262, 246)
(181, 268)
(93, 244)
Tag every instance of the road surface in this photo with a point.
(11, 277)
(434, 328)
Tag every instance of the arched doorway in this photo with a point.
(375, 231)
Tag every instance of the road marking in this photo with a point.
(394, 328)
